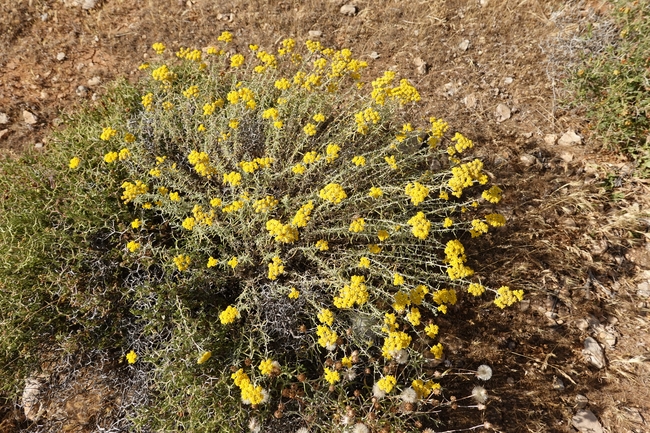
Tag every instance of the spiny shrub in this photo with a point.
(286, 240)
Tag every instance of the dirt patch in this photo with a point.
(490, 68)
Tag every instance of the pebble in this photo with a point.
(82, 91)
(508, 80)
(502, 113)
(349, 10)
(94, 81)
(4, 119)
(593, 353)
(470, 101)
(581, 401)
(550, 139)
(558, 384)
(569, 138)
(464, 45)
(31, 398)
(315, 33)
(29, 118)
(3, 133)
(643, 289)
(88, 4)
(527, 159)
(38, 145)
(60, 56)
(586, 422)
(421, 65)
(566, 156)
(374, 55)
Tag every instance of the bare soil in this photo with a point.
(578, 253)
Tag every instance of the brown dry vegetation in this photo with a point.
(574, 250)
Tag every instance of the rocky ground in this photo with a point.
(574, 354)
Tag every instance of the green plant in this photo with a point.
(275, 243)
(615, 84)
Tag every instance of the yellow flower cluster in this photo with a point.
(331, 376)
(131, 357)
(357, 225)
(236, 60)
(354, 293)
(437, 351)
(464, 175)
(233, 207)
(322, 245)
(414, 316)
(293, 293)
(404, 93)
(287, 46)
(191, 92)
(398, 279)
(332, 152)
(201, 163)
(244, 95)
(455, 259)
(478, 228)
(225, 37)
(303, 215)
(265, 204)
(333, 192)
(250, 394)
(266, 367)
(205, 218)
(359, 161)
(506, 297)
(133, 246)
(462, 143)
(387, 383)
(159, 47)
(147, 101)
(364, 117)
(390, 160)
(326, 317)
(275, 268)
(364, 262)
(108, 133)
(445, 296)
(375, 192)
(282, 84)
(310, 157)
(74, 163)
(229, 315)
(284, 233)
(204, 357)
(420, 226)
(495, 219)
(417, 192)
(493, 195)
(396, 341)
(182, 262)
(131, 191)
(233, 178)
(423, 389)
(189, 54)
(256, 164)
(326, 337)
(431, 330)
(163, 74)
(476, 289)
(310, 129)
(188, 223)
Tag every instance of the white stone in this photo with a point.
(502, 113)
(470, 101)
(527, 159)
(29, 118)
(349, 10)
(586, 422)
(593, 353)
(3, 133)
(315, 33)
(569, 138)
(60, 56)
(94, 81)
(550, 139)
(4, 119)
(464, 45)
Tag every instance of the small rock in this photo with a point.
(550, 139)
(29, 118)
(566, 156)
(581, 401)
(593, 353)
(30, 399)
(3, 133)
(43, 95)
(508, 80)
(464, 45)
(483, 3)
(60, 56)
(527, 134)
(315, 33)
(44, 17)
(527, 159)
(38, 145)
(94, 81)
(4, 119)
(550, 315)
(582, 325)
(421, 65)
(510, 381)
(470, 101)
(82, 91)
(586, 422)
(502, 113)
(524, 305)
(374, 55)
(57, 121)
(558, 384)
(643, 289)
(349, 10)
(88, 4)
(570, 138)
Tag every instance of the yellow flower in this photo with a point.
(382, 235)
(374, 248)
(387, 383)
(390, 160)
(233, 262)
(275, 268)
(447, 223)
(204, 357)
(310, 129)
(282, 84)
(155, 172)
(111, 157)
(417, 192)
(398, 280)
(444, 195)
(131, 357)
(347, 362)
(319, 117)
(357, 225)
(302, 217)
(167, 105)
(333, 192)
(74, 163)
(359, 161)
(437, 351)
(136, 223)
(431, 330)
(266, 367)
(278, 124)
(322, 245)
(364, 262)
(495, 220)
(298, 169)
(233, 178)
(414, 316)
(133, 246)
(325, 317)
(476, 289)
(293, 294)
(375, 192)
(212, 262)
(201, 128)
(332, 152)
(225, 37)
(182, 262)
(129, 138)
(326, 337)
(420, 226)
(229, 315)
(236, 60)
(331, 376)
(191, 92)
(506, 297)
(159, 47)
(174, 196)
(188, 223)
(108, 133)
